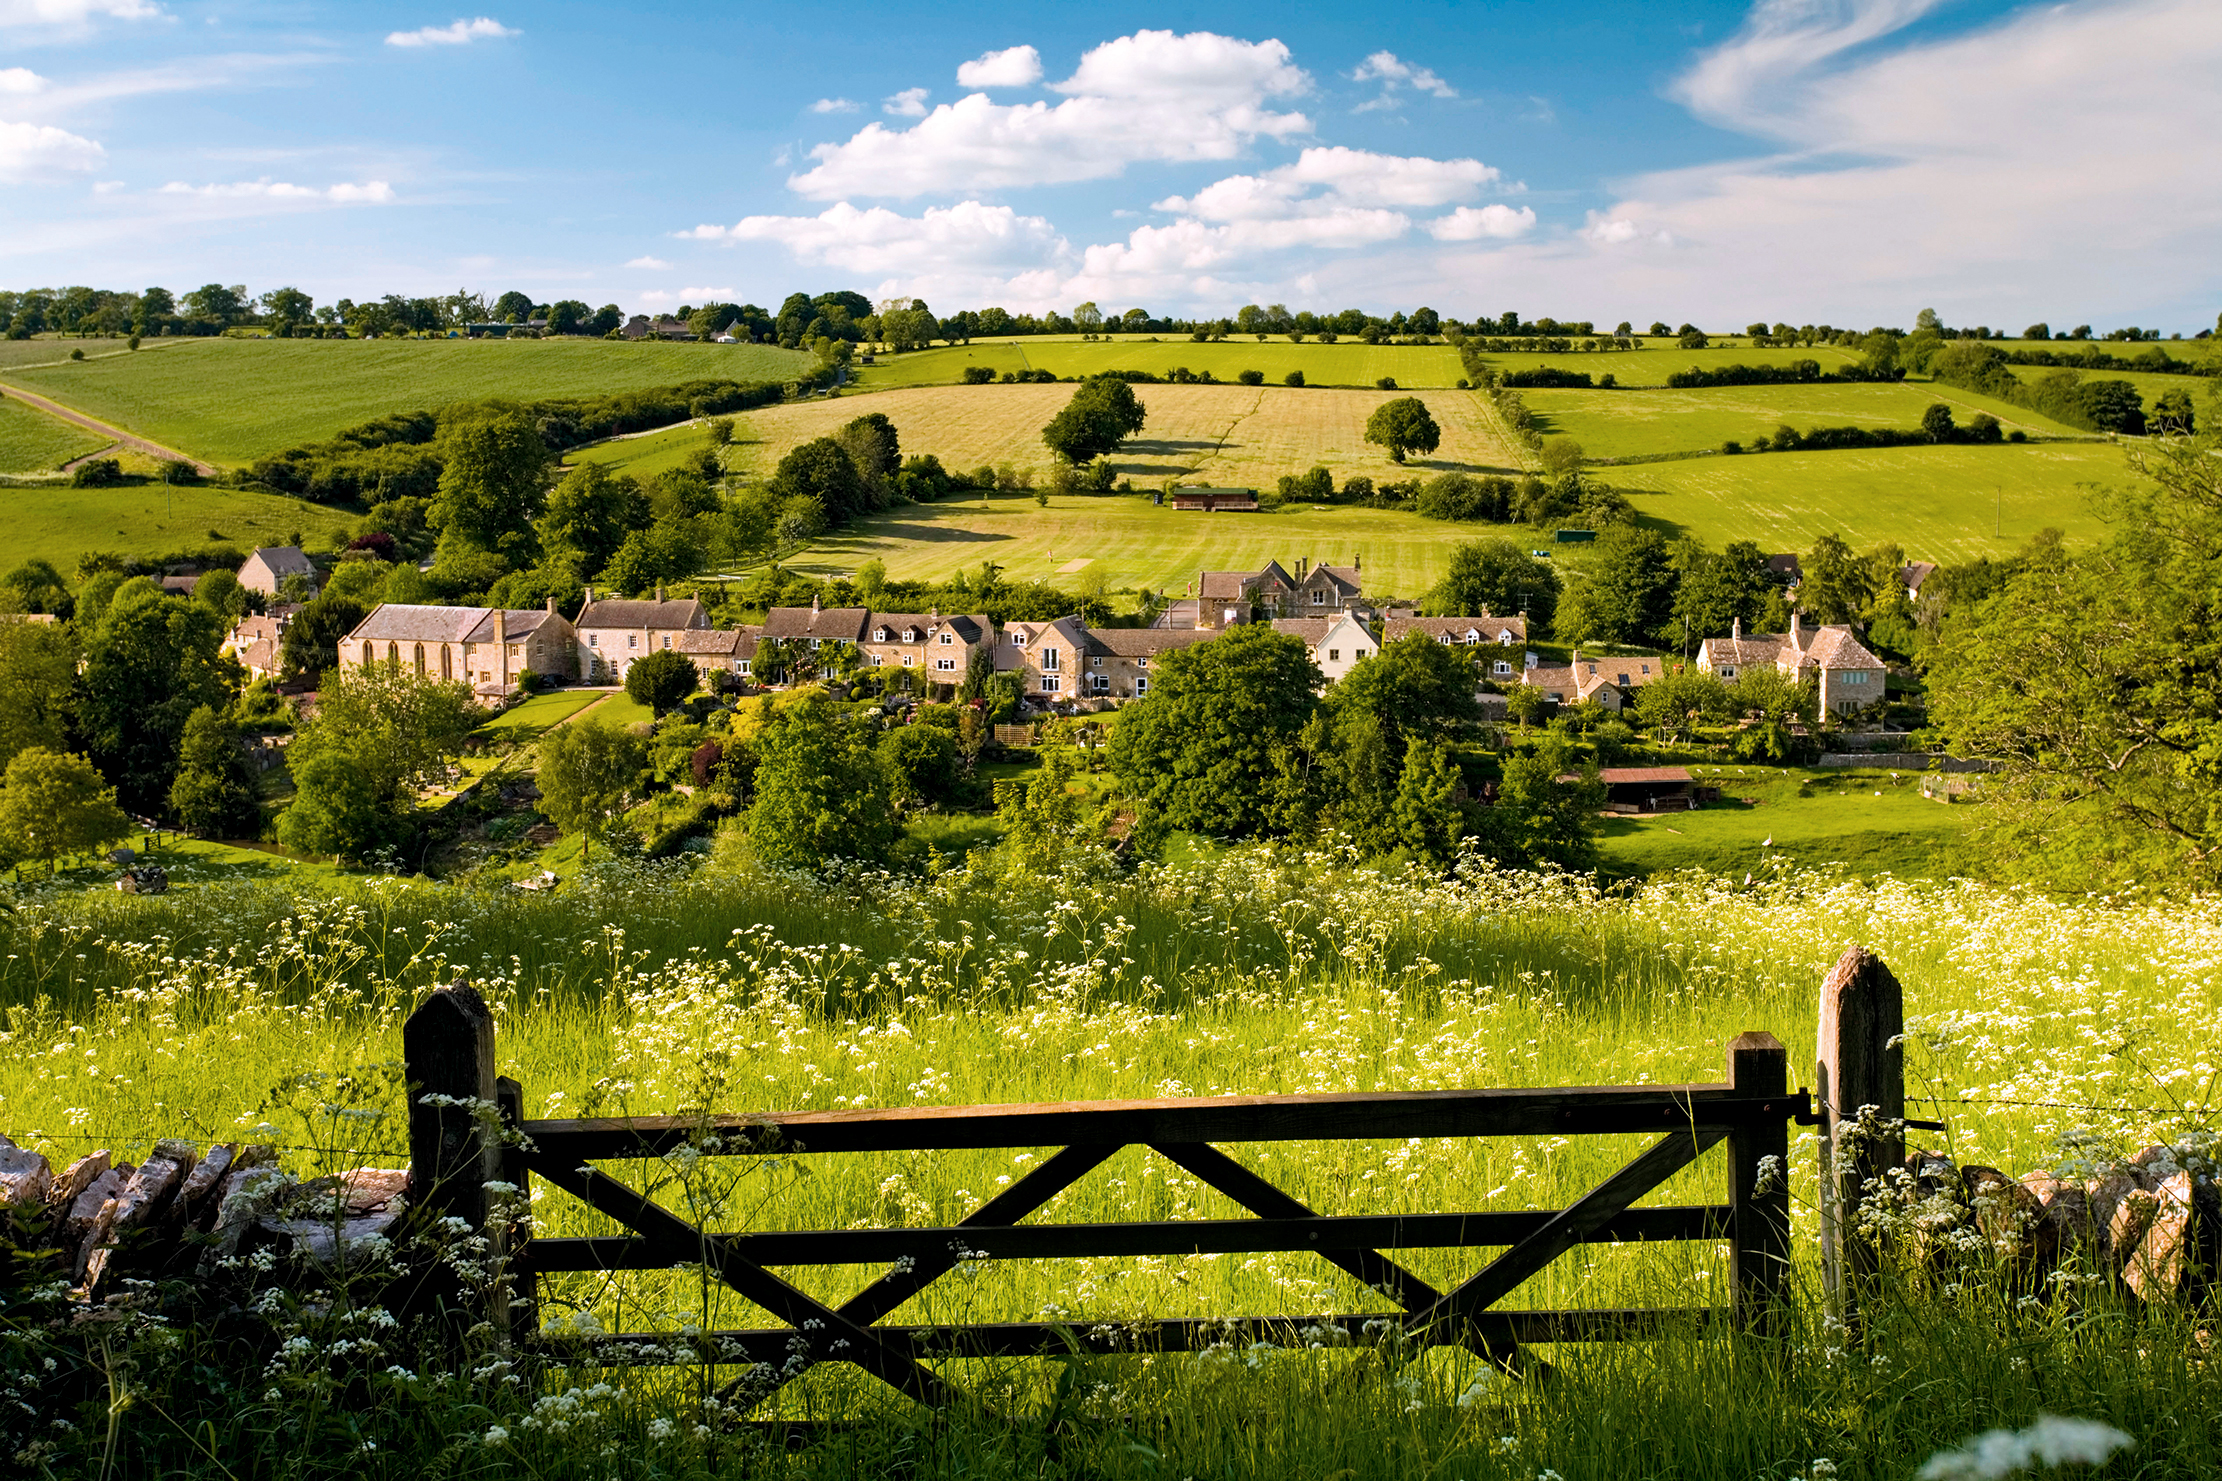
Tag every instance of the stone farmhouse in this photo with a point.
(814, 626)
(1503, 633)
(726, 650)
(1604, 680)
(613, 633)
(1066, 660)
(267, 569)
(258, 642)
(1336, 643)
(1849, 677)
(484, 647)
(939, 647)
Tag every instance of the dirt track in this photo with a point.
(140, 444)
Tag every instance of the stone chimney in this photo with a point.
(551, 606)
(588, 597)
(1301, 562)
(814, 608)
(1797, 630)
(659, 591)
(501, 643)
(1355, 565)
(1736, 627)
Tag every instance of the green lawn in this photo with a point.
(59, 523)
(619, 708)
(1862, 820)
(530, 718)
(1344, 363)
(1135, 543)
(1621, 424)
(1939, 503)
(31, 441)
(233, 400)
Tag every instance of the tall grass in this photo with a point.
(270, 1013)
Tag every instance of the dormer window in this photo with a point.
(1319, 598)
(879, 634)
(1443, 638)
(1018, 640)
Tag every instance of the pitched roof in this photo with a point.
(1625, 775)
(1483, 629)
(1226, 586)
(285, 560)
(1913, 573)
(1349, 578)
(681, 612)
(1148, 642)
(516, 624)
(1313, 630)
(1786, 565)
(733, 642)
(407, 622)
(1836, 648)
(968, 627)
(1742, 652)
(844, 624)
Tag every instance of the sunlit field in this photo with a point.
(2042, 1031)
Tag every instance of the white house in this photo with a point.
(267, 569)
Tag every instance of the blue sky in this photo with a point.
(1842, 160)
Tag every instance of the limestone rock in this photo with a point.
(2156, 1267)
(25, 1178)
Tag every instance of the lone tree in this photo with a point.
(662, 681)
(1103, 413)
(1403, 426)
(589, 773)
(53, 803)
(214, 794)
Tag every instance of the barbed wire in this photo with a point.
(23, 1138)
(2059, 1105)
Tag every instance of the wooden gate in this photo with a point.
(450, 1050)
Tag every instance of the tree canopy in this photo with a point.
(1496, 577)
(589, 772)
(1103, 413)
(821, 791)
(54, 803)
(493, 479)
(662, 680)
(1403, 426)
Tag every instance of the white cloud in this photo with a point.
(909, 103)
(1746, 81)
(369, 191)
(877, 240)
(656, 263)
(1017, 66)
(1472, 224)
(1149, 96)
(1620, 231)
(20, 80)
(107, 187)
(1349, 177)
(31, 150)
(1395, 74)
(72, 13)
(459, 33)
(834, 105)
(698, 295)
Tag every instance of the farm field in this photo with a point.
(230, 401)
(1938, 503)
(1239, 436)
(1652, 365)
(1134, 543)
(1344, 363)
(33, 442)
(58, 523)
(1621, 424)
(1865, 822)
(646, 992)
(15, 353)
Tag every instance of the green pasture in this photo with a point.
(233, 400)
(1134, 543)
(58, 523)
(1865, 823)
(1651, 365)
(31, 441)
(648, 454)
(1343, 363)
(1939, 503)
(1622, 424)
(17, 353)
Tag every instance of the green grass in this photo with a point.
(619, 708)
(1864, 822)
(1622, 424)
(532, 717)
(1652, 365)
(1344, 363)
(31, 441)
(1938, 503)
(649, 454)
(1134, 543)
(233, 400)
(58, 523)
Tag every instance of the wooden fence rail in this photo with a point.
(449, 1044)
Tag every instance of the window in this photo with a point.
(879, 634)
(946, 640)
(1018, 640)
(742, 665)
(1050, 683)
(1443, 638)
(1334, 655)
(1503, 667)
(906, 660)
(1141, 687)
(1099, 684)
(632, 640)
(667, 640)
(878, 659)
(1096, 662)
(1319, 598)
(1472, 637)
(816, 643)
(1726, 671)
(1357, 653)
(946, 665)
(1622, 681)
(593, 640)
(1049, 660)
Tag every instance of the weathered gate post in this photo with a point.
(1758, 1182)
(1860, 1065)
(447, 1050)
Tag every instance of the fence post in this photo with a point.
(1860, 1064)
(521, 1295)
(1758, 1182)
(447, 1050)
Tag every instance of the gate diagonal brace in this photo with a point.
(1056, 1173)
(1458, 1312)
(837, 1336)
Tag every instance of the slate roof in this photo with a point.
(1913, 573)
(1148, 642)
(1313, 630)
(646, 614)
(722, 642)
(842, 624)
(1484, 629)
(285, 560)
(968, 627)
(1836, 648)
(398, 622)
(516, 625)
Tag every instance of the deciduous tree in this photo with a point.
(589, 772)
(1103, 413)
(821, 792)
(53, 803)
(662, 680)
(1404, 427)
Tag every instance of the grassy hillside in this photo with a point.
(58, 523)
(1622, 424)
(1940, 503)
(33, 442)
(1659, 359)
(1133, 542)
(1866, 822)
(1236, 435)
(233, 400)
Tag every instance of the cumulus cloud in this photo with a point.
(834, 105)
(699, 294)
(20, 80)
(1150, 96)
(71, 13)
(649, 262)
(1017, 66)
(1346, 178)
(1394, 74)
(1619, 231)
(459, 33)
(909, 103)
(29, 151)
(368, 191)
(1472, 223)
(879, 240)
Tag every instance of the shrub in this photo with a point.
(978, 375)
(1252, 377)
(97, 473)
(1386, 383)
(1293, 378)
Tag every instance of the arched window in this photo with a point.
(393, 653)
(447, 662)
(420, 659)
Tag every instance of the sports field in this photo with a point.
(1621, 424)
(1240, 436)
(33, 442)
(233, 400)
(1939, 503)
(58, 523)
(1343, 363)
(1133, 543)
